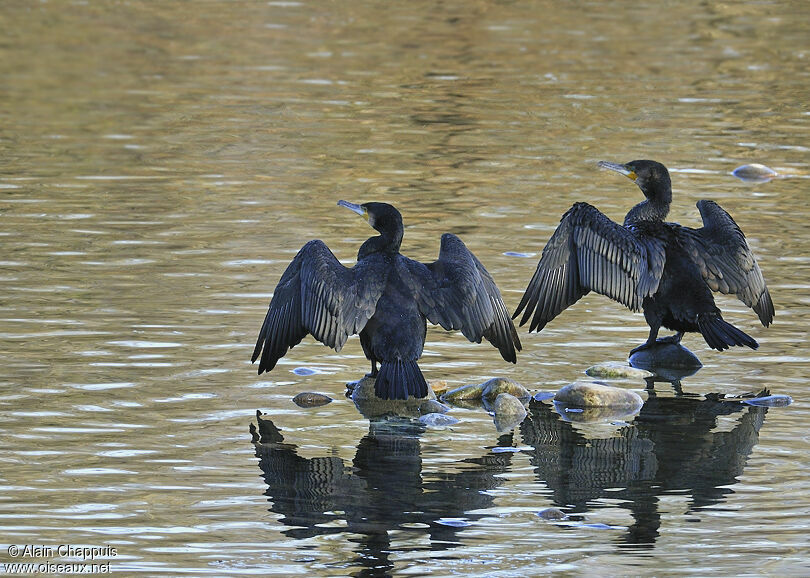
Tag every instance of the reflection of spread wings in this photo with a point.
(458, 293)
(725, 260)
(318, 295)
(589, 252)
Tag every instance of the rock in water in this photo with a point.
(552, 514)
(754, 172)
(617, 370)
(310, 399)
(665, 355)
(498, 385)
(438, 420)
(509, 412)
(488, 390)
(584, 394)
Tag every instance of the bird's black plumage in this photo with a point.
(665, 269)
(387, 298)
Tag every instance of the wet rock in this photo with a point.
(498, 385)
(310, 399)
(363, 390)
(489, 390)
(439, 387)
(596, 414)
(543, 395)
(432, 406)
(617, 370)
(372, 407)
(553, 514)
(464, 393)
(509, 412)
(438, 420)
(585, 394)
(777, 400)
(665, 356)
(754, 172)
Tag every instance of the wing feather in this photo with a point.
(725, 260)
(589, 252)
(458, 293)
(320, 296)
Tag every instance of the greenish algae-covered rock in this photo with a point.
(498, 385)
(617, 370)
(584, 394)
(489, 390)
(464, 393)
(509, 412)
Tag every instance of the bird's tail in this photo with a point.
(399, 379)
(721, 335)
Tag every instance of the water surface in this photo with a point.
(163, 162)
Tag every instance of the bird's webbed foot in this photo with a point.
(642, 347)
(673, 339)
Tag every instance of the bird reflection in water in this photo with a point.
(673, 446)
(384, 489)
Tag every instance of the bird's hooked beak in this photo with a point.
(621, 169)
(356, 208)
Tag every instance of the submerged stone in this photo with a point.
(617, 370)
(310, 399)
(509, 412)
(432, 406)
(552, 514)
(438, 420)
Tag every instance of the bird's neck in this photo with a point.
(649, 210)
(380, 244)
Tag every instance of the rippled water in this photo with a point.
(163, 162)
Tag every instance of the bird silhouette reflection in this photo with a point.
(384, 488)
(673, 446)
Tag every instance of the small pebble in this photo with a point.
(309, 399)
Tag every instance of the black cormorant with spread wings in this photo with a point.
(665, 269)
(385, 297)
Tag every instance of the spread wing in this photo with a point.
(458, 293)
(589, 252)
(318, 295)
(725, 260)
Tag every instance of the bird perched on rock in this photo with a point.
(386, 298)
(646, 263)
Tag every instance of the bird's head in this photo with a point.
(381, 216)
(651, 177)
